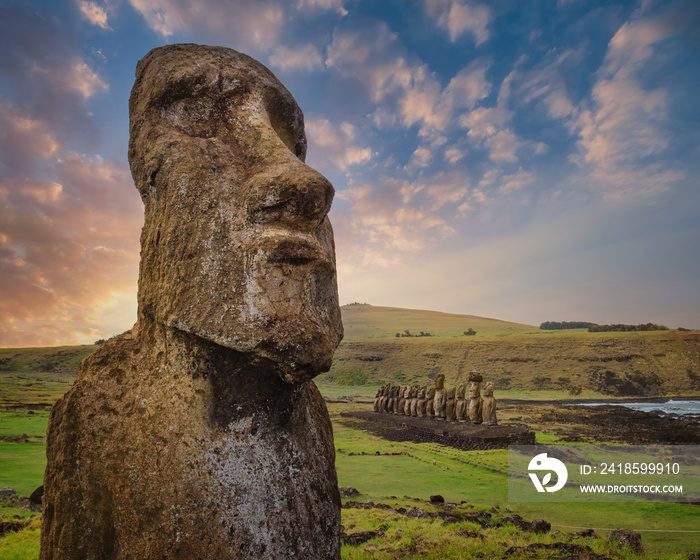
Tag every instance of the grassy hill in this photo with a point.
(519, 359)
(371, 321)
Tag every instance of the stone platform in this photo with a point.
(461, 435)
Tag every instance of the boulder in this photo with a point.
(626, 538)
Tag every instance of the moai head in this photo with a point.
(488, 389)
(421, 392)
(475, 390)
(431, 393)
(439, 382)
(451, 392)
(236, 247)
(461, 391)
(475, 376)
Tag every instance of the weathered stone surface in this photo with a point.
(450, 405)
(430, 402)
(626, 538)
(461, 406)
(199, 433)
(440, 399)
(488, 404)
(474, 409)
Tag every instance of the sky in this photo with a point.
(526, 161)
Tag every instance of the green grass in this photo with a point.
(373, 321)
(530, 364)
(23, 545)
(402, 537)
(456, 477)
(22, 466)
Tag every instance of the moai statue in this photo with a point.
(199, 433)
(461, 406)
(390, 400)
(378, 398)
(421, 402)
(488, 404)
(401, 401)
(407, 402)
(396, 397)
(385, 398)
(414, 400)
(450, 411)
(430, 402)
(440, 399)
(475, 402)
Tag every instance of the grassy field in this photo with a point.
(525, 363)
(381, 469)
(373, 321)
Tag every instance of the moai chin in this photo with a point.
(440, 399)
(488, 404)
(199, 433)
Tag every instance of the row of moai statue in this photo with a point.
(436, 402)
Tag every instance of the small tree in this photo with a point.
(469, 332)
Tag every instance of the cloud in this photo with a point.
(42, 65)
(247, 22)
(404, 89)
(93, 13)
(458, 18)
(420, 158)
(388, 218)
(74, 76)
(515, 181)
(624, 126)
(453, 155)
(334, 144)
(334, 5)
(69, 253)
(302, 58)
(23, 138)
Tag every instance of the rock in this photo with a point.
(13, 526)
(7, 493)
(475, 377)
(437, 499)
(626, 538)
(199, 433)
(348, 492)
(358, 538)
(37, 495)
(540, 526)
(417, 513)
(588, 533)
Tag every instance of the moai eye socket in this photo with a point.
(287, 120)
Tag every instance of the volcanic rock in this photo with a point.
(199, 433)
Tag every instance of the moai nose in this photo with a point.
(299, 196)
